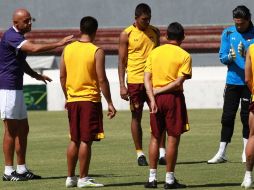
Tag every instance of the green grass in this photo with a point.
(114, 158)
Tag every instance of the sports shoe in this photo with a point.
(174, 185)
(14, 177)
(217, 159)
(71, 182)
(29, 175)
(152, 184)
(88, 183)
(142, 161)
(247, 183)
(162, 161)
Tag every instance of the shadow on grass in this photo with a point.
(215, 185)
(91, 175)
(192, 162)
(188, 186)
(128, 184)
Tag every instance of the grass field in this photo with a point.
(114, 159)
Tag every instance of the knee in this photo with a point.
(228, 120)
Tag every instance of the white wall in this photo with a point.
(204, 90)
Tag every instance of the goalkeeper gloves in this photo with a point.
(231, 55)
(241, 49)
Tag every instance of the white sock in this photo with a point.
(152, 175)
(140, 153)
(73, 178)
(170, 177)
(248, 174)
(21, 169)
(222, 149)
(244, 144)
(162, 152)
(8, 170)
(84, 179)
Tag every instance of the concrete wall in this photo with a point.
(204, 90)
(120, 13)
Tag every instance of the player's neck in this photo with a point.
(173, 42)
(85, 38)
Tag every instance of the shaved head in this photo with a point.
(22, 20)
(19, 13)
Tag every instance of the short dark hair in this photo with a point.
(142, 8)
(88, 25)
(175, 31)
(242, 11)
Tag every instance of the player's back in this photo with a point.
(81, 83)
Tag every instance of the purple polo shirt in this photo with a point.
(11, 57)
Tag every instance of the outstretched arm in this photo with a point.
(31, 47)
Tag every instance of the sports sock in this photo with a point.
(244, 144)
(247, 174)
(140, 153)
(152, 175)
(222, 148)
(84, 179)
(162, 152)
(170, 177)
(21, 169)
(8, 170)
(73, 178)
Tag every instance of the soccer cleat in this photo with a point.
(247, 183)
(71, 182)
(152, 184)
(29, 175)
(217, 159)
(14, 177)
(162, 161)
(174, 185)
(88, 183)
(142, 161)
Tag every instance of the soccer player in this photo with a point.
(136, 42)
(235, 41)
(82, 75)
(13, 51)
(249, 78)
(166, 69)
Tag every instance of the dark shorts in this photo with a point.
(251, 107)
(137, 93)
(171, 115)
(85, 120)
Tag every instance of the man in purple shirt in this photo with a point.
(13, 65)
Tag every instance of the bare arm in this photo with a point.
(173, 86)
(37, 48)
(122, 64)
(63, 75)
(248, 71)
(149, 92)
(28, 70)
(103, 81)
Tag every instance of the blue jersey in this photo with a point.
(11, 58)
(231, 38)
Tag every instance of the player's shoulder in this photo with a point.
(129, 29)
(11, 34)
(153, 28)
(229, 30)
